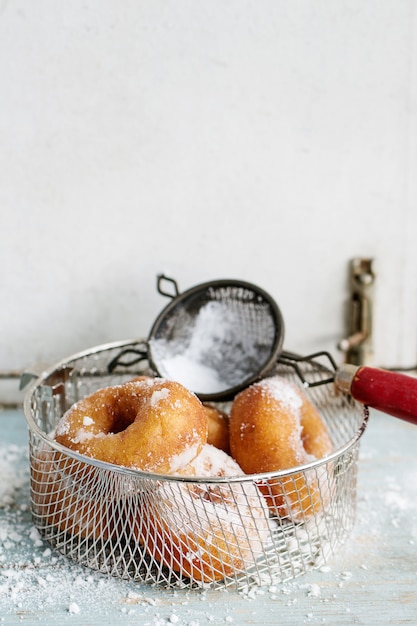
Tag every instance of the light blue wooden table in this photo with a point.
(373, 580)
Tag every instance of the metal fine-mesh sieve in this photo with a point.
(215, 338)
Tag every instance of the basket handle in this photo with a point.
(388, 392)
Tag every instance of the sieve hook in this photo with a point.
(140, 355)
(294, 360)
(160, 279)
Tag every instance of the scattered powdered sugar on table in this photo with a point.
(12, 478)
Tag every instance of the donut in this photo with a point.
(218, 428)
(206, 531)
(151, 424)
(274, 427)
(147, 424)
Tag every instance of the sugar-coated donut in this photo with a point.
(151, 424)
(218, 428)
(207, 531)
(274, 427)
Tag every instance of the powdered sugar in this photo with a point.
(179, 461)
(12, 479)
(63, 426)
(214, 462)
(192, 374)
(82, 435)
(158, 396)
(283, 391)
(217, 349)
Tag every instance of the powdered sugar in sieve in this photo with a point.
(215, 349)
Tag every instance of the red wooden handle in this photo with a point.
(389, 392)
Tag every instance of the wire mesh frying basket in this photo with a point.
(181, 531)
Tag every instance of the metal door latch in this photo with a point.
(358, 346)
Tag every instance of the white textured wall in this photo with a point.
(265, 140)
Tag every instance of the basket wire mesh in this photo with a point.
(181, 531)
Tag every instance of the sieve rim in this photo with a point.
(276, 347)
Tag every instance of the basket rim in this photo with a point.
(244, 478)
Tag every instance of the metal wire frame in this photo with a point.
(174, 531)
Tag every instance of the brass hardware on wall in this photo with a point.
(357, 346)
